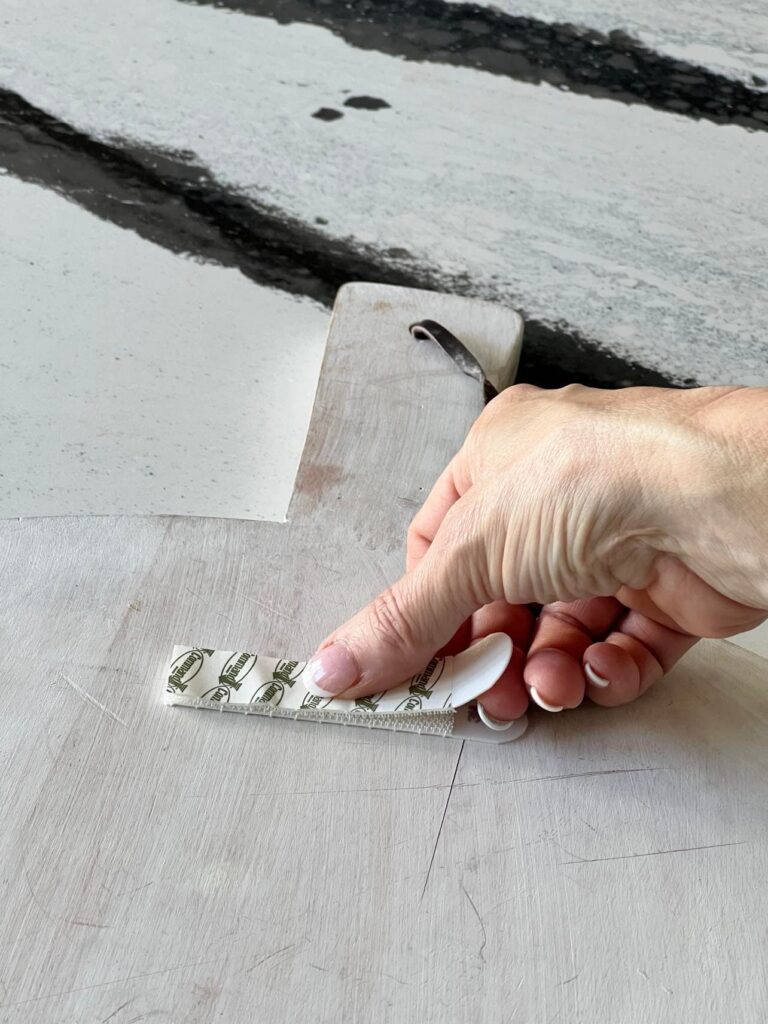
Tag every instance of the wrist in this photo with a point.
(710, 489)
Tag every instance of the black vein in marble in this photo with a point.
(613, 66)
(170, 200)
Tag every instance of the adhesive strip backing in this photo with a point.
(254, 684)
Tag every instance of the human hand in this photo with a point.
(636, 519)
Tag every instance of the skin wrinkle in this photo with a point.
(568, 620)
(580, 495)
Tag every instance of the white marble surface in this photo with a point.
(730, 36)
(139, 382)
(643, 230)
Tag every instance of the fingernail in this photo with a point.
(542, 703)
(331, 671)
(491, 722)
(593, 677)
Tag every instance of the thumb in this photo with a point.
(395, 636)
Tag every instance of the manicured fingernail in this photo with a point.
(492, 723)
(331, 671)
(594, 678)
(542, 703)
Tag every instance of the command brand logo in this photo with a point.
(220, 694)
(411, 703)
(312, 702)
(423, 684)
(368, 704)
(269, 693)
(285, 672)
(185, 668)
(236, 669)
(284, 675)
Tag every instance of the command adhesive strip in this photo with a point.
(433, 701)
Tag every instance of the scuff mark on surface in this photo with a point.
(122, 1006)
(442, 820)
(270, 956)
(89, 699)
(481, 950)
(656, 853)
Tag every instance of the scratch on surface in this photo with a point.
(263, 604)
(121, 1007)
(32, 892)
(152, 806)
(442, 820)
(655, 853)
(84, 695)
(560, 778)
(644, 974)
(439, 785)
(115, 981)
(399, 981)
(579, 885)
(47, 913)
(99, 668)
(481, 951)
(270, 956)
(129, 892)
(209, 604)
(510, 899)
(112, 568)
(568, 980)
(570, 853)
(329, 792)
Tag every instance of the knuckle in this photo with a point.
(463, 545)
(571, 391)
(389, 622)
(511, 396)
(461, 521)
(508, 402)
(517, 392)
(413, 534)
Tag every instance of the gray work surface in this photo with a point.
(173, 865)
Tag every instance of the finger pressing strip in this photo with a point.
(432, 701)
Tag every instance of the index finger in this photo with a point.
(427, 521)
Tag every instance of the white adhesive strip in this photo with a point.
(254, 684)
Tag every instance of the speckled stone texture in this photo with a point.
(602, 168)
